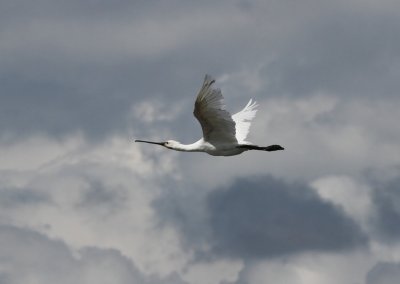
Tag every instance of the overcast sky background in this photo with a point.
(81, 203)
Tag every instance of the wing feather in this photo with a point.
(209, 109)
(243, 119)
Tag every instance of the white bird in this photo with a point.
(223, 134)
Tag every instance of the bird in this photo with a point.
(223, 134)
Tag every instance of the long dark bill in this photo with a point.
(150, 142)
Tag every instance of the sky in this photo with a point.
(81, 203)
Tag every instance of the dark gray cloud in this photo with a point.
(266, 217)
(81, 66)
(386, 221)
(28, 256)
(258, 218)
(346, 53)
(184, 208)
(384, 273)
(101, 199)
(14, 196)
(56, 81)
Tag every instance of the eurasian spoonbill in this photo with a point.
(223, 134)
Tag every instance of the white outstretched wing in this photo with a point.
(209, 109)
(243, 120)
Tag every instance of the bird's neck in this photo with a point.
(194, 147)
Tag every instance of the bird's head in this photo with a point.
(171, 144)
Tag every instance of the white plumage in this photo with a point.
(243, 119)
(223, 134)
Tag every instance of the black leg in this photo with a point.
(267, 148)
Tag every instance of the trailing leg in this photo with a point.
(261, 148)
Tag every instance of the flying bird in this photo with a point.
(223, 134)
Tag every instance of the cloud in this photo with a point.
(323, 135)
(81, 79)
(30, 257)
(258, 218)
(83, 67)
(14, 196)
(85, 71)
(384, 273)
(91, 195)
(315, 267)
(349, 193)
(265, 217)
(386, 220)
(349, 52)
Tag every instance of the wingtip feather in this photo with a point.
(208, 80)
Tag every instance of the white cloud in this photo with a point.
(30, 154)
(309, 269)
(152, 111)
(30, 257)
(213, 272)
(350, 194)
(94, 195)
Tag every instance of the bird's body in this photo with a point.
(207, 147)
(223, 134)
